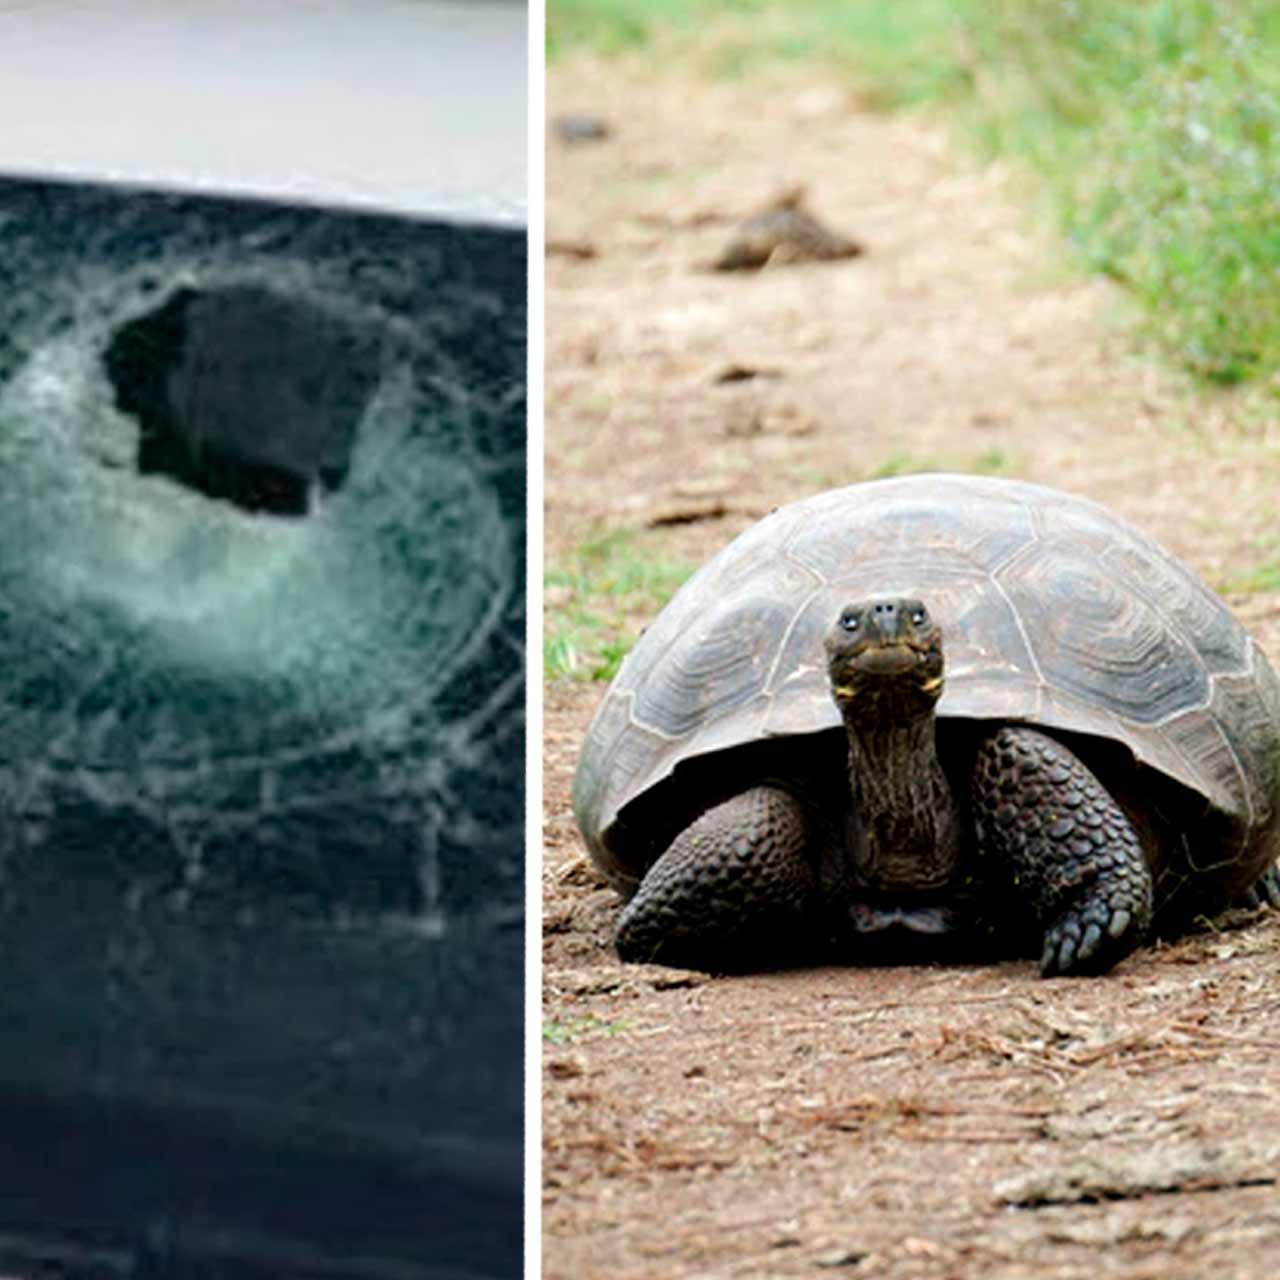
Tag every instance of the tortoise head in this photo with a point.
(885, 657)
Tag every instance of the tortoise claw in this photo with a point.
(1088, 939)
(1264, 892)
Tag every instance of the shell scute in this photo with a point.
(1185, 604)
(713, 668)
(901, 526)
(1092, 635)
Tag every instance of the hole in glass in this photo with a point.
(244, 395)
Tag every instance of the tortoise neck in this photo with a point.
(904, 827)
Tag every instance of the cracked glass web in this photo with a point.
(261, 711)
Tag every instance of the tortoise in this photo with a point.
(935, 716)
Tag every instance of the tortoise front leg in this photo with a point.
(730, 891)
(1264, 892)
(1071, 849)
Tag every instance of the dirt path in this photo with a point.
(922, 1122)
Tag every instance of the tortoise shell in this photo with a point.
(1054, 613)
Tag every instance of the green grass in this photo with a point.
(994, 462)
(901, 463)
(1150, 128)
(909, 47)
(596, 600)
(990, 462)
(613, 26)
(563, 1031)
(1263, 578)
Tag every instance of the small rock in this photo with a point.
(743, 373)
(783, 232)
(688, 513)
(1126, 1175)
(579, 250)
(842, 1258)
(677, 980)
(575, 128)
(565, 1068)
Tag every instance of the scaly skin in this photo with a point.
(733, 887)
(1073, 854)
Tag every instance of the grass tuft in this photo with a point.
(901, 463)
(566, 1030)
(994, 462)
(597, 599)
(1262, 579)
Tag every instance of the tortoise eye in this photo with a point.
(849, 621)
(919, 615)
